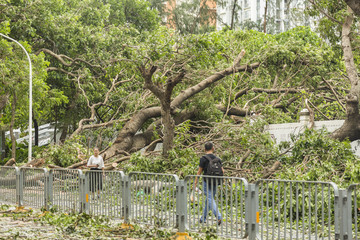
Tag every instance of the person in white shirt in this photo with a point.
(96, 163)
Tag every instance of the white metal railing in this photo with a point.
(268, 209)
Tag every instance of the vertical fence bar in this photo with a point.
(48, 189)
(353, 207)
(84, 192)
(126, 199)
(252, 211)
(345, 216)
(181, 195)
(19, 187)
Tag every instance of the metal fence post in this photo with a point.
(337, 213)
(19, 187)
(252, 211)
(345, 214)
(126, 208)
(181, 206)
(48, 189)
(84, 192)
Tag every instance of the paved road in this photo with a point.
(13, 227)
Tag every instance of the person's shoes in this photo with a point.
(219, 222)
(201, 221)
(98, 197)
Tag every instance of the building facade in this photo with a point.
(281, 15)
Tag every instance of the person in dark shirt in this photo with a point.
(209, 185)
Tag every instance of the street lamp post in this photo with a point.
(30, 94)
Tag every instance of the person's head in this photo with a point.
(96, 152)
(209, 147)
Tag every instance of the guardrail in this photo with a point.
(64, 189)
(33, 184)
(294, 209)
(226, 199)
(268, 209)
(8, 186)
(104, 193)
(353, 219)
(153, 198)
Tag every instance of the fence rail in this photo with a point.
(226, 203)
(153, 198)
(290, 209)
(8, 186)
(268, 209)
(354, 210)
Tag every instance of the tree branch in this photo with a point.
(335, 94)
(60, 58)
(323, 12)
(186, 94)
(50, 69)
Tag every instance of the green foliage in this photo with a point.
(22, 150)
(317, 157)
(63, 155)
(80, 224)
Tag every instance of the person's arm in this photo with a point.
(102, 166)
(196, 178)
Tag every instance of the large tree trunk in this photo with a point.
(12, 136)
(169, 129)
(351, 127)
(3, 100)
(64, 132)
(233, 15)
(354, 5)
(3, 145)
(265, 15)
(126, 137)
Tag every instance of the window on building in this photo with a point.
(246, 15)
(258, 9)
(246, 4)
(278, 26)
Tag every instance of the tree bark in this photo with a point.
(354, 5)
(3, 100)
(270, 171)
(11, 162)
(110, 166)
(351, 127)
(64, 132)
(233, 15)
(233, 110)
(265, 15)
(35, 163)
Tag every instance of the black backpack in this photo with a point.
(214, 168)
